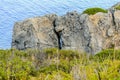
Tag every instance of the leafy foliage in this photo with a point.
(91, 11)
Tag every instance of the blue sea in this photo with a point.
(12, 11)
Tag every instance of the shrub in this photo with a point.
(108, 54)
(70, 54)
(106, 70)
(51, 52)
(63, 54)
(63, 65)
(91, 11)
(13, 65)
(17, 65)
(117, 7)
(55, 75)
(48, 69)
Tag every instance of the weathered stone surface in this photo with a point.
(89, 33)
(34, 33)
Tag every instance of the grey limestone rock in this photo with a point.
(89, 33)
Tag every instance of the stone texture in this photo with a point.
(16, 10)
(89, 33)
(34, 33)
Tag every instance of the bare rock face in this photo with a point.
(89, 33)
(34, 33)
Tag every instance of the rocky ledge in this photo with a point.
(89, 33)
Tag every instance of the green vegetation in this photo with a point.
(108, 54)
(117, 7)
(14, 65)
(92, 11)
(54, 64)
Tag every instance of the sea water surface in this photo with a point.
(12, 11)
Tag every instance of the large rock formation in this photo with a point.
(89, 33)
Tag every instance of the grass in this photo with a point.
(54, 64)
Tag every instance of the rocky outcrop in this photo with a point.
(89, 33)
(34, 33)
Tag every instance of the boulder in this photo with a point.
(34, 33)
(88, 33)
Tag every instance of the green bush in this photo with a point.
(63, 54)
(51, 52)
(62, 64)
(91, 11)
(108, 54)
(13, 65)
(55, 75)
(117, 7)
(65, 66)
(69, 54)
(48, 69)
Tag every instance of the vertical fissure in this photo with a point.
(113, 18)
(59, 36)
